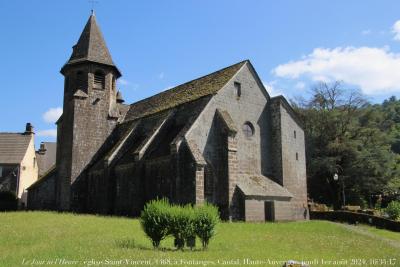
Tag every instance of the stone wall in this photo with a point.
(86, 123)
(289, 163)
(130, 193)
(249, 107)
(283, 211)
(234, 155)
(294, 162)
(254, 210)
(41, 196)
(272, 150)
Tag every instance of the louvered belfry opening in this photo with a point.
(99, 80)
(81, 81)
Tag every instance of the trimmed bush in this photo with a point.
(160, 219)
(206, 218)
(8, 201)
(181, 225)
(393, 210)
(155, 219)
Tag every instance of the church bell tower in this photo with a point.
(90, 111)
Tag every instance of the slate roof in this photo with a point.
(180, 106)
(195, 89)
(13, 147)
(91, 46)
(131, 136)
(261, 186)
(46, 159)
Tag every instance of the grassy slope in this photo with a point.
(43, 236)
(395, 236)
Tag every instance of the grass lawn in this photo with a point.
(52, 239)
(395, 236)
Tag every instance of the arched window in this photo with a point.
(81, 81)
(99, 80)
(248, 129)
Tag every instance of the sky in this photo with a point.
(160, 44)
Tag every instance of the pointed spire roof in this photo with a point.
(91, 46)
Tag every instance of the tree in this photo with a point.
(348, 136)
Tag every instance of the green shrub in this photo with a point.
(393, 210)
(206, 218)
(155, 219)
(160, 219)
(181, 225)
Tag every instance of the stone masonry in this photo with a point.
(219, 138)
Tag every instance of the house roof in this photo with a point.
(91, 46)
(261, 186)
(46, 159)
(195, 89)
(13, 147)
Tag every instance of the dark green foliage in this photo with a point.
(206, 219)
(160, 219)
(181, 224)
(393, 210)
(8, 201)
(358, 141)
(155, 219)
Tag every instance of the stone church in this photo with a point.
(219, 138)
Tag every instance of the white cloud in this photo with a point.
(396, 30)
(161, 75)
(271, 88)
(374, 70)
(52, 115)
(47, 133)
(122, 81)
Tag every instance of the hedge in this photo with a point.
(354, 218)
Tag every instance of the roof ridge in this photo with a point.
(205, 85)
(201, 77)
(212, 73)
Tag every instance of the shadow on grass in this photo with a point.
(131, 244)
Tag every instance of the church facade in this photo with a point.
(219, 138)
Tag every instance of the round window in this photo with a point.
(248, 129)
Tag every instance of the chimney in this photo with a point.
(28, 129)
(42, 149)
